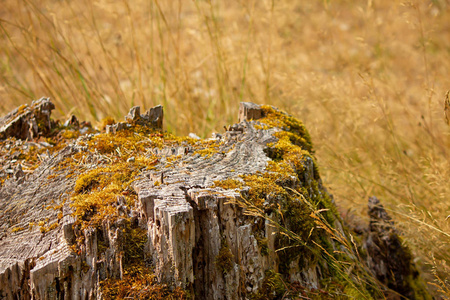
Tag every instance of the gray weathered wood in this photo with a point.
(186, 218)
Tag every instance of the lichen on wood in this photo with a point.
(133, 211)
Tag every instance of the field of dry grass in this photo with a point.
(368, 78)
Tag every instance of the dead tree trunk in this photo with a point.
(241, 215)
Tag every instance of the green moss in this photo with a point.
(300, 236)
(277, 190)
(272, 287)
(277, 118)
(418, 287)
(263, 245)
(290, 194)
(224, 260)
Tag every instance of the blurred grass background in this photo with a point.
(368, 79)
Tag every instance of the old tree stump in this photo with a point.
(134, 212)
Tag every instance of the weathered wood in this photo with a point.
(186, 218)
(249, 111)
(29, 251)
(190, 220)
(152, 118)
(27, 121)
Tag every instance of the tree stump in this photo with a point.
(137, 212)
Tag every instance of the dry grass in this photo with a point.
(368, 78)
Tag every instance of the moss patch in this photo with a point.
(289, 194)
(272, 287)
(119, 159)
(138, 281)
(296, 129)
(123, 156)
(224, 260)
(228, 184)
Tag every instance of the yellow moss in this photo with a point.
(17, 229)
(138, 281)
(173, 158)
(261, 126)
(290, 125)
(84, 267)
(282, 192)
(28, 156)
(228, 184)
(96, 190)
(42, 225)
(31, 225)
(106, 121)
(21, 108)
(70, 134)
(97, 206)
(207, 148)
(88, 181)
(263, 186)
(288, 154)
(53, 226)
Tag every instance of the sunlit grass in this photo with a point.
(368, 78)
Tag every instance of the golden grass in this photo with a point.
(368, 78)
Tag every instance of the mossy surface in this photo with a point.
(290, 194)
(99, 191)
(228, 184)
(272, 287)
(295, 128)
(30, 154)
(138, 281)
(119, 159)
(224, 260)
